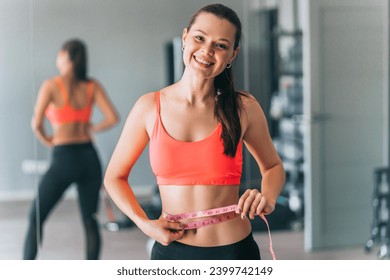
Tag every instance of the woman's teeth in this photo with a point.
(200, 60)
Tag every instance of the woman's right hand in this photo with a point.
(163, 231)
(48, 141)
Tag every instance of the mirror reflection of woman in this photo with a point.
(195, 129)
(67, 101)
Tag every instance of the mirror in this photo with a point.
(127, 53)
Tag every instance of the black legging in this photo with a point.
(246, 249)
(73, 163)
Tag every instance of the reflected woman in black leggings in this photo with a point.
(66, 101)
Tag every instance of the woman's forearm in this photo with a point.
(41, 135)
(124, 198)
(273, 182)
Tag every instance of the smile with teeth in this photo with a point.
(203, 61)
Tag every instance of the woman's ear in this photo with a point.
(184, 36)
(235, 53)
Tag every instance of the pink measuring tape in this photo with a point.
(224, 214)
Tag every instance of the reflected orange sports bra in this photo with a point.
(201, 162)
(67, 113)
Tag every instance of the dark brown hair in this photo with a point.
(228, 105)
(77, 52)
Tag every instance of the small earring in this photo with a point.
(228, 66)
(218, 94)
(182, 48)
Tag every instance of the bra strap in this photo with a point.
(90, 87)
(157, 93)
(62, 89)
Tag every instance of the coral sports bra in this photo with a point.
(67, 113)
(201, 162)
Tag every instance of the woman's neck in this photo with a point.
(195, 89)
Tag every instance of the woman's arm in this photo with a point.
(131, 144)
(37, 124)
(259, 143)
(111, 117)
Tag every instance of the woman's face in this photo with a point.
(209, 45)
(64, 65)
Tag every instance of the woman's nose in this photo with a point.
(208, 49)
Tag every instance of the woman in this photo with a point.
(67, 101)
(195, 129)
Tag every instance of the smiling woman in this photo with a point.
(195, 129)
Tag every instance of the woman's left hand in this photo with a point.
(253, 203)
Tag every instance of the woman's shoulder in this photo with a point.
(144, 109)
(147, 98)
(51, 81)
(50, 84)
(247, 99)
(94, 81)
(146, 102)
(251, 108)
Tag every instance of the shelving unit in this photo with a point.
(286, 111)
(380, 224)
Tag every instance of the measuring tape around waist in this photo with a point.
(224, 214)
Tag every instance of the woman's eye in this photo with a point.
(199, 38)
(221, 46)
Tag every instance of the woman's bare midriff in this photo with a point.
(71, 133)
(184, 199)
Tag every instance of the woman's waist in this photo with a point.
(72, 129)
(65, 136)
(221, 233)
(224, 212)
(184, 199)
(209, 223)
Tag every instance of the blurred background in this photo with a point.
(319, 69)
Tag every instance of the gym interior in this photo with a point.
(319, 69)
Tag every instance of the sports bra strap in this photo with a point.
(62, 88)
(90, 87)
(157, 93)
